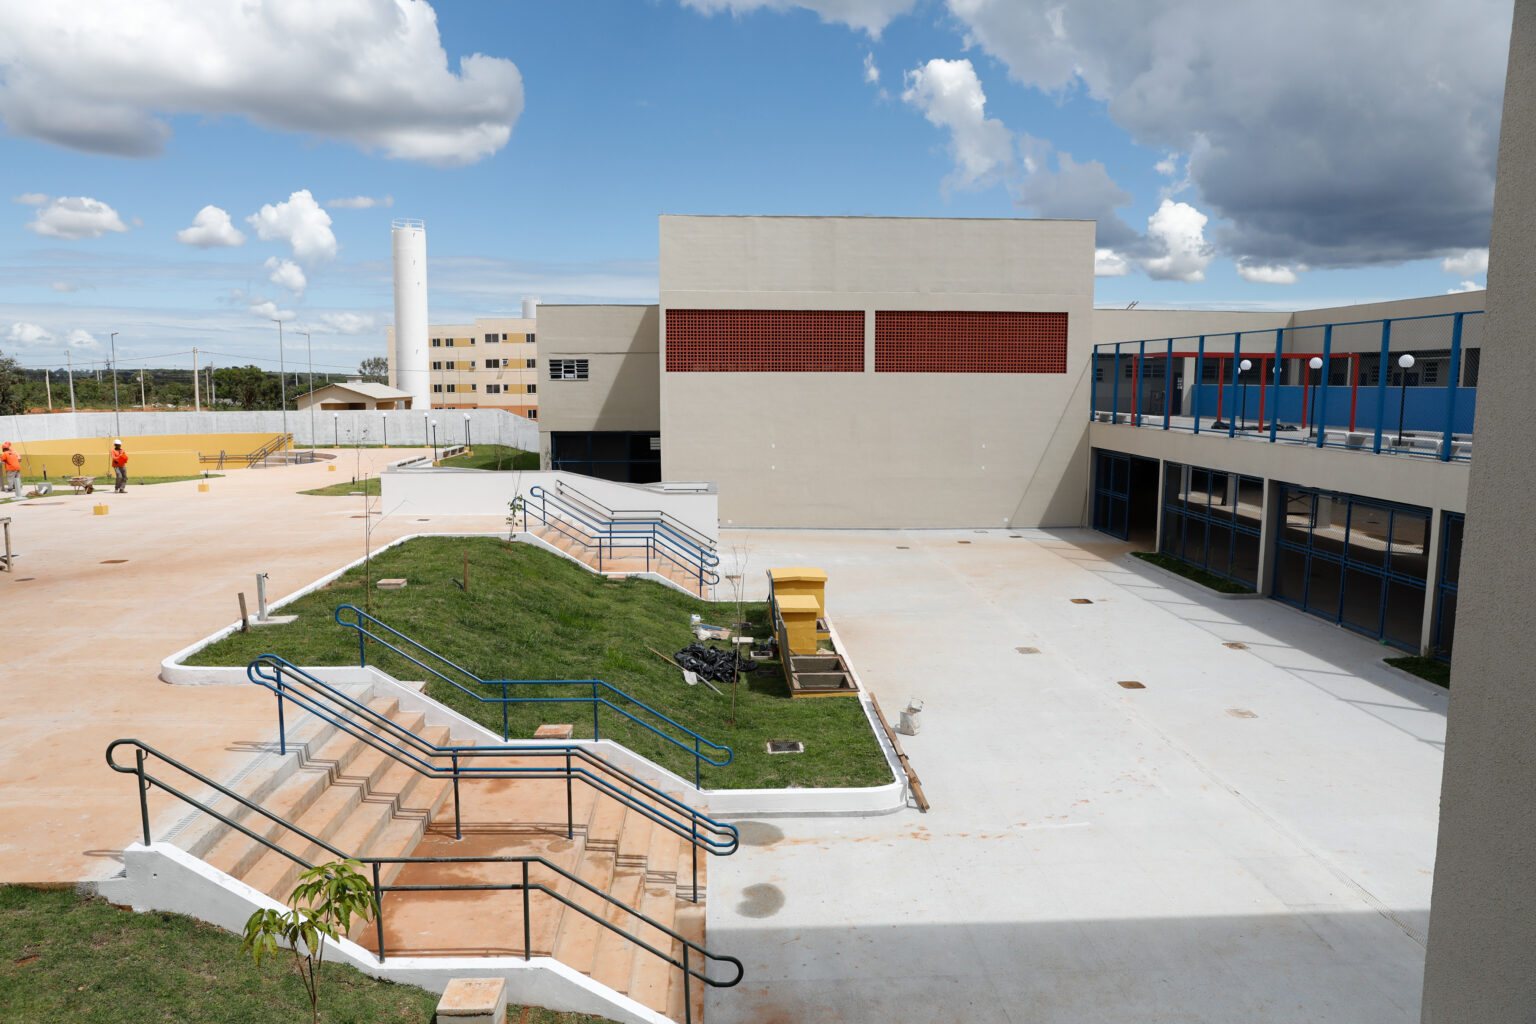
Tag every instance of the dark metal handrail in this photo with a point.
(143, 750)
(659, 526)
(696, 537)
(700, 758)
(607, 534)
(407, 748)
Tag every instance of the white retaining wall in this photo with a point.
(486, 426)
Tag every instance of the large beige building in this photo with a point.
(489, 364)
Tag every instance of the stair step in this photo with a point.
(688, 922)
(576, 941)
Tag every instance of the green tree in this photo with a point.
(374, 368)
(13, 387)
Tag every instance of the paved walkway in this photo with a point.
(81, 640)
(1250, 837)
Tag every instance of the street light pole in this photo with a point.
(1405, 361)
(434, 442)
(282, 375)
(336, 429)
(466, 430)
(384, 418)
(310, 349)
(69, 361)
(1242, 368)
(116, 416)
(1315, 364)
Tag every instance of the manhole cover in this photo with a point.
(1236, 646)
(1241, 713)
(359, 517)
(1027, 650)
(962, 542)
(113, 561)
(1081, 600)
(902, 547)
(423, 520)
(1130, 684)
(786, 747)
(1015, 536)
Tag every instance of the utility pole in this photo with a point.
(48, 387)
(69, 361)
(197, 405)
(310, 349)
(143, 401)
(213, 394)
(116, 419)
(282, 375)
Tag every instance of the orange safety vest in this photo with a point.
(12, 462)
(119, 457)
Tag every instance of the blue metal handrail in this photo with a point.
(597, 700)
(656, 537)
(639, 515)
(146, 781)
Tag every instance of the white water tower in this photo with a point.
(411, 376)
(530, 307)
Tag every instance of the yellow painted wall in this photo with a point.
(148, 454)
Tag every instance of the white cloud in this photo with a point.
(359, 203)
(868, 15)
(350, 323)
(1108, 263)
(75, 217)
(211, 228)
(32, 199)
(1168, 166)
(82, 340)
(950, 96)
(287, 274)
(1257, 273)
(1177, 230)
(1465, 286)
(64, 286)
(103, 76)
(1466, 263)
(301, 223)
(28, 334)
(266, 309)
(871, 72)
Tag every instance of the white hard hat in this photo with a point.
(117, 440)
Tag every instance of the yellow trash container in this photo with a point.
(803, 580)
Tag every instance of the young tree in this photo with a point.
(13, 387)
(374, 368)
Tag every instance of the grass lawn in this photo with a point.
(529, 614)
(1430, 669)
(370, 486)
(494, 456)
(69, 959)
(1190, 572)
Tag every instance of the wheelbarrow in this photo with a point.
(82, 484)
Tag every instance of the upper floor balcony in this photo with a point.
(1403, 386)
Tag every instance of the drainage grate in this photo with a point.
(786, 747)
(1235, 645)
(1131, 684)
(1081, 600)
(902, 547)
(1015, 536)
(113, 561)
(1027, 650)
(1241, 713)
(962, 542)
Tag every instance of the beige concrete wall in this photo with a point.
(1427, 482)
(622, 346)
(1482, 927)
(1111, 325)
(881, 449)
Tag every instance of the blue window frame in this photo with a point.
(1211, 519)
(1451, 532)
(1111, 494)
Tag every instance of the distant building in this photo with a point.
(355, 394)
(489, 364)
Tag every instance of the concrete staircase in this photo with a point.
(350, 795)
(620, 564)
(612, 848)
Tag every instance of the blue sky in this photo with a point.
(1295, 172)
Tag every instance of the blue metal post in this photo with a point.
(1321, 402)
(505, 733)
(362, 652)
(1141, 361)
(282, 733)
(595, 736)
(1114, 393)
(1168, 387)
(1093, 384)
(1381, 382)
(1274, 407)
(1452, 384)
(1199, 380)
(1237, 357)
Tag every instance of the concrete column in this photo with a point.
(1162, 481)
(1269, 529)
(869, 341)
(1482, 930)
(1431, 580)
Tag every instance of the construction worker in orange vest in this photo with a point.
(119, 466)
(11, 462)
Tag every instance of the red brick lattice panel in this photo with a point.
(765, 341)
(955, 341)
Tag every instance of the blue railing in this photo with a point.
(573, 762)
(660, 539)
(1325, 385)
(603, 695)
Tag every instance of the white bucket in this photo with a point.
(911, 721)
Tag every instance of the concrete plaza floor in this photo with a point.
(97, 601)
(1250, 837)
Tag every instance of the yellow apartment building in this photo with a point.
(489, 364)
